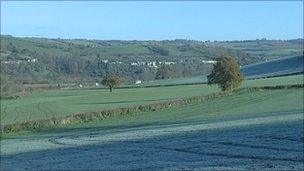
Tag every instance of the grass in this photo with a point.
(274, 67)
(257, 130)
(286, 80)
(56, 103)
(220, 109)
(269, 48)
(187, 80)
(238, 106)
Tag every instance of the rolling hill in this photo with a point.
(283, 66)
(268, 49)
(115, 50)
(52, 61)
(277, 67)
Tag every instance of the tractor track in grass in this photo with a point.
(3, 113)
(99, 136)
(17, 116)
(281, 138)
(235, 156)
(233, 144)
(39, 107)
(49, 112)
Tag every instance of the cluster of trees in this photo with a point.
(10, 88)
(225, 73)
(70, 61)
(53, 69)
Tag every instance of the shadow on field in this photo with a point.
(251, 147)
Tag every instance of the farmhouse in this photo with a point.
(138, 82)
(208, 62)
(32, 60)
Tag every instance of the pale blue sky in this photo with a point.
(160, 20)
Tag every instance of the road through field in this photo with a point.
(273, 142)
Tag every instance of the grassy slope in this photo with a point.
(109, 49)
(270, 49)
(262, 103)
(275, 67)
(46, 104)
(238, 106)
(54, 103)
(278, 67)
(293, 79)
(285, 80)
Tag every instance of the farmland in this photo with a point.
(272, 49)
(282, 66)
(151, 86)
(278, 67)
(47, 104)
(257, 130)
(55, 103)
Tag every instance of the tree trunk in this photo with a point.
(111, 88)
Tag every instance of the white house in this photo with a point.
(138, 82)
(208, 62)
(32, 60)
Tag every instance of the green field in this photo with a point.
(270, 48)
(55, 103)
(242, 105)
(238, 106)
(286, 80)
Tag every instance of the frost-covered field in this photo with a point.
(271, 142)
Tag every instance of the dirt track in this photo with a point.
(272, 142)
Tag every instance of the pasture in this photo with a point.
(271, 49)
(55, 103)
(281, 66)
(257, 130)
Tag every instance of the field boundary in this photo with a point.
(100, 115)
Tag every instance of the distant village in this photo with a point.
(27, 59)
(153, 64)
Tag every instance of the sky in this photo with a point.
(158, 20)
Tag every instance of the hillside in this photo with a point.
(41, 60)
(268, 49)
(115, 50)
(272, 68)
(283, 66)
(63, 102)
